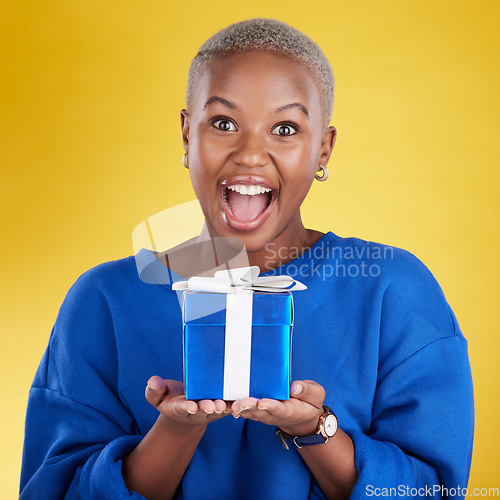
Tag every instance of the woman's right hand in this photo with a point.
(154, 468)
(168, 397)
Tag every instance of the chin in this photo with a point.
(253, 241)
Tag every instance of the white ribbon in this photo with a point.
(237, 280)
(238, 346)
(239, 285)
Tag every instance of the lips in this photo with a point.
(246, 202)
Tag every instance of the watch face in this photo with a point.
(330, 425)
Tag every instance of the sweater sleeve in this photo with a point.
(421, 435)
(420, 438)
(77, 429)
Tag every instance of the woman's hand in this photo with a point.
(154, 468)
(168, 397)
(332, 464)
(297, 416)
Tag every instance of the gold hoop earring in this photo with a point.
(322, 178)
(185, 160)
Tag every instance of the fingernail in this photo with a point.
(209, 412)
(262, 407)
(217, 412)
(150, 386)
(236, 416)
(191, 412)
(297, 390)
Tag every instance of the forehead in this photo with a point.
(255, 78)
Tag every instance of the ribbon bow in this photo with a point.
(238, 280)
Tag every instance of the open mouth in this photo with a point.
(246, 202)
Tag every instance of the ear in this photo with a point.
(327, 145)
(185, 129)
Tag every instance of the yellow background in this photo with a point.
(90, 146)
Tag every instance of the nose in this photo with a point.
(251, 151)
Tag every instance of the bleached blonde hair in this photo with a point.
(268, 35)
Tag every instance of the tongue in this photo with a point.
(245, 207)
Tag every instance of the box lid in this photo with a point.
(210, 308)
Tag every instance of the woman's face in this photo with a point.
(255, 135)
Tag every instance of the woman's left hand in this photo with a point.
(297, 416)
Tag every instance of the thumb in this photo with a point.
(156, 390)
(308, 391)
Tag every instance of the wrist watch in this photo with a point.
(327, 427)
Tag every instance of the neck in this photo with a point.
(285, 247)
(279, 252)
(206, 253)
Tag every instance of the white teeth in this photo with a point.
(249, 190)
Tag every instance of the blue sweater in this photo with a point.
(373, 328)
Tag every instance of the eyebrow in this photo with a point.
(216, 98)
(231, 105)
(293, 105)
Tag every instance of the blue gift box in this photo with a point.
(233, 350)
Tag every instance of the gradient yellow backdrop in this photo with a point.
(90, 146)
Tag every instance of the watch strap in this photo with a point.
(301, 441)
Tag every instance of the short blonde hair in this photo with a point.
(267, 35)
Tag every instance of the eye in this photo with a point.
(224, 124)
(285, 129)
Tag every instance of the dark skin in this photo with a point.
(238, 133)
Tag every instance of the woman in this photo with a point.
(374, 338)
